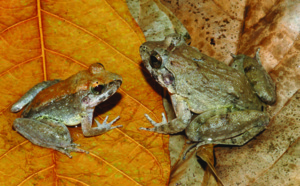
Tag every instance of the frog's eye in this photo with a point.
(155, 60)
(98, 89)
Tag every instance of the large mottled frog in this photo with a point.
(51, 105)
(214, 103)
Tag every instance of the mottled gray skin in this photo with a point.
(55, 104)
(213, 102)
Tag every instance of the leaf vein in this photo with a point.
(17, 24)
(14, 148)
(62, 55)
(114, 168)
(121, 18)
(19, 64)
(42, 38)
(73, 179)
(35, 174)
(93, 35)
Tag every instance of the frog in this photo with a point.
(214, 103)
(51, 106)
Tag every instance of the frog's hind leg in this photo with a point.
(46, 133)
(237, 140)
(241, 139)
(24, 100)
(257, 76)
(226, 126)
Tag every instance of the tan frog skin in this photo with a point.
(51, 105)
(214, 103)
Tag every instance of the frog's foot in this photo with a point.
(88, 130)
(174, 126)
(108, 126)
(157, 126)
(71, 148)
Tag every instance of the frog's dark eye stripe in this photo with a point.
(98, 89)
(155, 60)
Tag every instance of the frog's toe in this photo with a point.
(68, 154)
(63, 150)
(75, 144)
(70, 148)
(108, 125)
(150, 120)
(75, 149)
(118, 126)
(147, 129)
(113, 121)
(164, 120)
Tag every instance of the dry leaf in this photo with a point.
(219, 28)
(186, 171)
(48, 39)
(155, 20)
(214, 26)
(206, 153)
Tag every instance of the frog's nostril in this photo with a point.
(119, 82)
(116, 82)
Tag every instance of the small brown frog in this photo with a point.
(51, 105)
(214, 103)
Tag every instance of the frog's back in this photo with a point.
(58, 91)
(210, 84)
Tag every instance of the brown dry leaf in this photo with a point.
(191, 170)
(155, 20)
(219, 28)
(48, 39)
(186, 171)
(206, 153)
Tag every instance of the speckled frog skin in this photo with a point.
(213, 102)
(51, 105)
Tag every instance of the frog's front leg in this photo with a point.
(24, 100)
(183, 118)
(224, 126)
(87, 121)
(47, 133)
(257, 76)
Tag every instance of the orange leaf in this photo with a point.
(51, 39)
